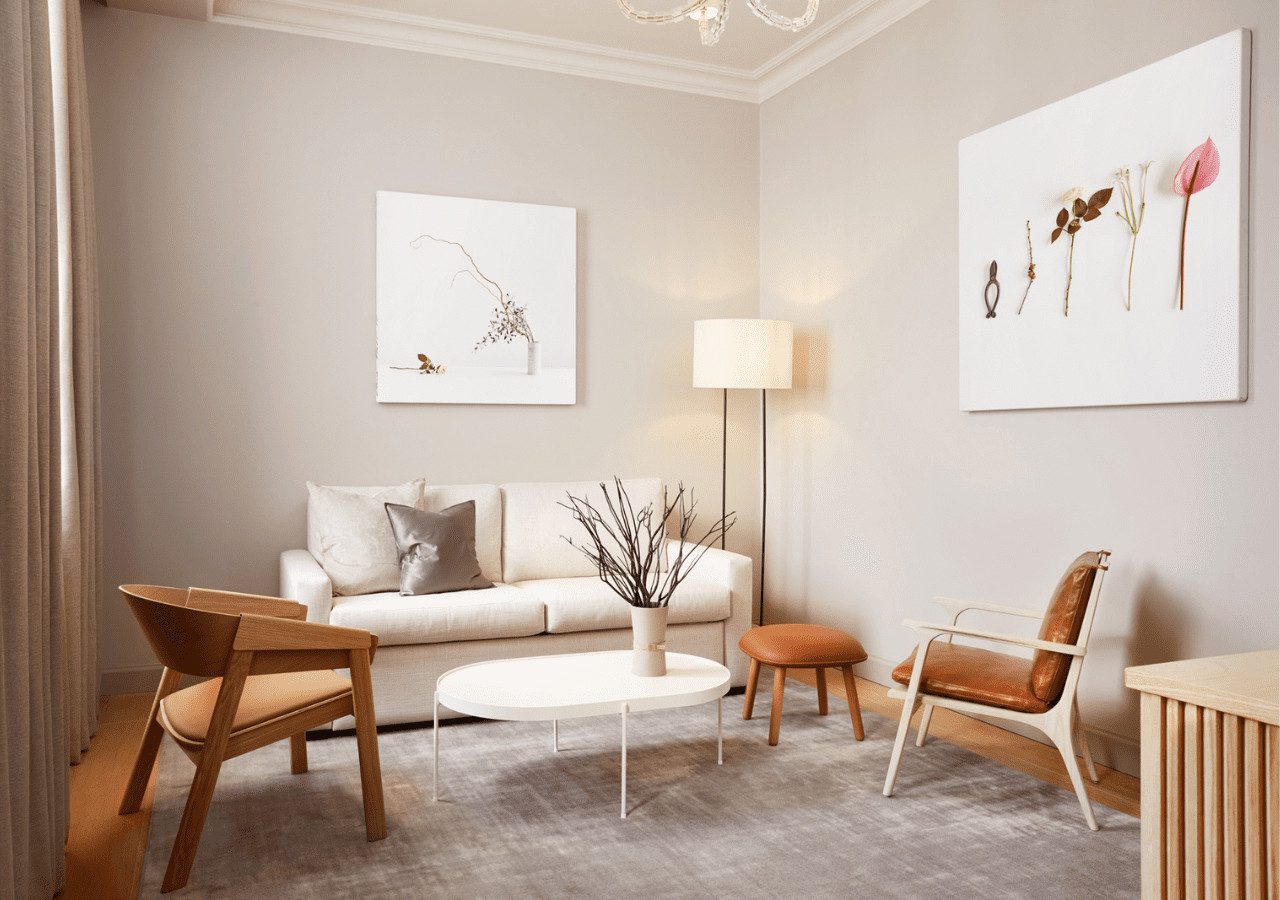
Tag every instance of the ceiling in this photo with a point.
(590, 38)
(747, 42)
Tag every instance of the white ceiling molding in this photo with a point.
(820, 46)
(342, 21)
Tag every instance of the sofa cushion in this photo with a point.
(534, 526)
(501, 611)
(488, 501)
(349, 535)
(587, 604)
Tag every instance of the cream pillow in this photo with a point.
(349, 534)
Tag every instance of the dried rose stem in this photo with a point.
(1071, 253)
(1182, 247)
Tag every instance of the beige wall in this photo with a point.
(886, 493)
(236, 172)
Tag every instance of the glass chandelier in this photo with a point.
(712, 14)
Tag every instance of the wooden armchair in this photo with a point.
(1040, 691)
(270, 677)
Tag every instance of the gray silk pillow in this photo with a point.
(437, 549)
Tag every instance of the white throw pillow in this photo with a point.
(349, 534)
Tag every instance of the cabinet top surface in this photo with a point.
(1244, 684)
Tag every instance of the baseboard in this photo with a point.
(140, 680)
(1109, 749)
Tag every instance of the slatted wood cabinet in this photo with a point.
(1210, 776)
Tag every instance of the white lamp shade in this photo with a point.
(742, 353)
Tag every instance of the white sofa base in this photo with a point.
(404, 676)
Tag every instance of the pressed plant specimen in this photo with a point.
(508, 321)
(425, 367)
(1081, 211)
(1031, 270)
(1198, 171)
(1133, 214)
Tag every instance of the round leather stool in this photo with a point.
(801, 647)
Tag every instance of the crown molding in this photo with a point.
(860, 22)
(343, 21)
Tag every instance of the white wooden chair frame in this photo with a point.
(1061, 722)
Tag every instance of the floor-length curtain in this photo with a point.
(48, 438)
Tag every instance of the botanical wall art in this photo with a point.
(1062, 195)
(477, 301)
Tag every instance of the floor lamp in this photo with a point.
(752, 354)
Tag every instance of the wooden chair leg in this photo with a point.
(775, 711)
(298, 753)
(1083, 741)
(925, 718)
(855, 708)
(821, 674)
(749, 700)
(375, 819)
(149, 748)
(1062, 736)
(193, 815)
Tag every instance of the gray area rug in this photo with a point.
(803, 819)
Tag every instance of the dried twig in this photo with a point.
(627, 545)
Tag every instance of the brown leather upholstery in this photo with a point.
(265, 697)
(1012, 682)
(1061, 625)
(976, 675)
(801, 646)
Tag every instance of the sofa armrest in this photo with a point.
(302, 579)
(733, 570)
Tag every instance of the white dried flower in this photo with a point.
(1076, 193)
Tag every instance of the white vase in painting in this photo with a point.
(649, 640)
(535, 358)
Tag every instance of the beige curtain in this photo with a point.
(49, 456)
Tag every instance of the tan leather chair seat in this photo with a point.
(801, 646)
(265, 697)
(976, 675)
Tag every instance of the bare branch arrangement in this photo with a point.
(626, 545)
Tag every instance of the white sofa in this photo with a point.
(545, 599)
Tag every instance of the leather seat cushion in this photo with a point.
(501, 611)
(265, 697)
(801, 645)
(588, 604)
(976, 675)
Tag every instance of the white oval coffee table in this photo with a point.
(575, 685)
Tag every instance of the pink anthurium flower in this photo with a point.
(1199, 170)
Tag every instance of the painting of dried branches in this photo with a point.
(461, 285)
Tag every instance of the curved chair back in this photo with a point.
(1068, 620)
(190, 641)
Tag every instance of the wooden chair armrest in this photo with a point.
(955, 607)
(929, 632)
(258, 632)
(235, 604)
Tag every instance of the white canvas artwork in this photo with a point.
(477, 301)
(1089, 333)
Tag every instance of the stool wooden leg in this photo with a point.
(822, 690)
(775, 711)
(855, 709)
(298, 753)
(749, 701)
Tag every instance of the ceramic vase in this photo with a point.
(535, 358)
(649, 640)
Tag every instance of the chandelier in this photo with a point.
(712, 14)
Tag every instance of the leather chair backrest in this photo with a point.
(191, 641)
(1061, 625)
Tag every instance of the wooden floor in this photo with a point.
(104, 850)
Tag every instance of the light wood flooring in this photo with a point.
(105, 851)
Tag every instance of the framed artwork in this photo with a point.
(1103, 245)
(477, 301)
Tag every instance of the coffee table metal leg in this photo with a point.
(720, 732)
(435, 744)
(624, 761)
(555, 735)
